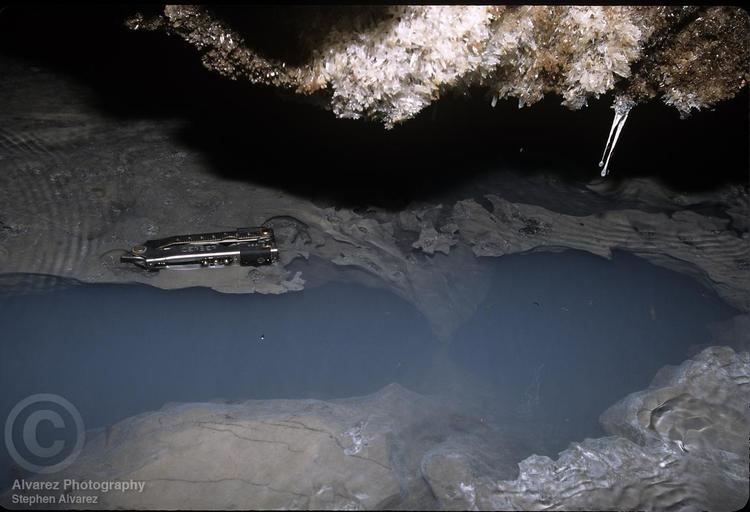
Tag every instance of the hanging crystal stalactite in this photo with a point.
(622, 110)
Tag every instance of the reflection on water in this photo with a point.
(559, 338)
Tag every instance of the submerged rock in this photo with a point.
(358, 453)
(682, 443)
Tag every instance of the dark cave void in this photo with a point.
(271, 137)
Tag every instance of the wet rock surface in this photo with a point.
(682, 443)
(78, 188)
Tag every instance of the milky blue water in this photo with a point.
(572, 333)
(559, 338)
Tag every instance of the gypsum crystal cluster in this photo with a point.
(389, 63)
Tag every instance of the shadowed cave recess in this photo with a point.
(513, 264)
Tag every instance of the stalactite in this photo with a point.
(622, 111)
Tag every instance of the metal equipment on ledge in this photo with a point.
(244, 246)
